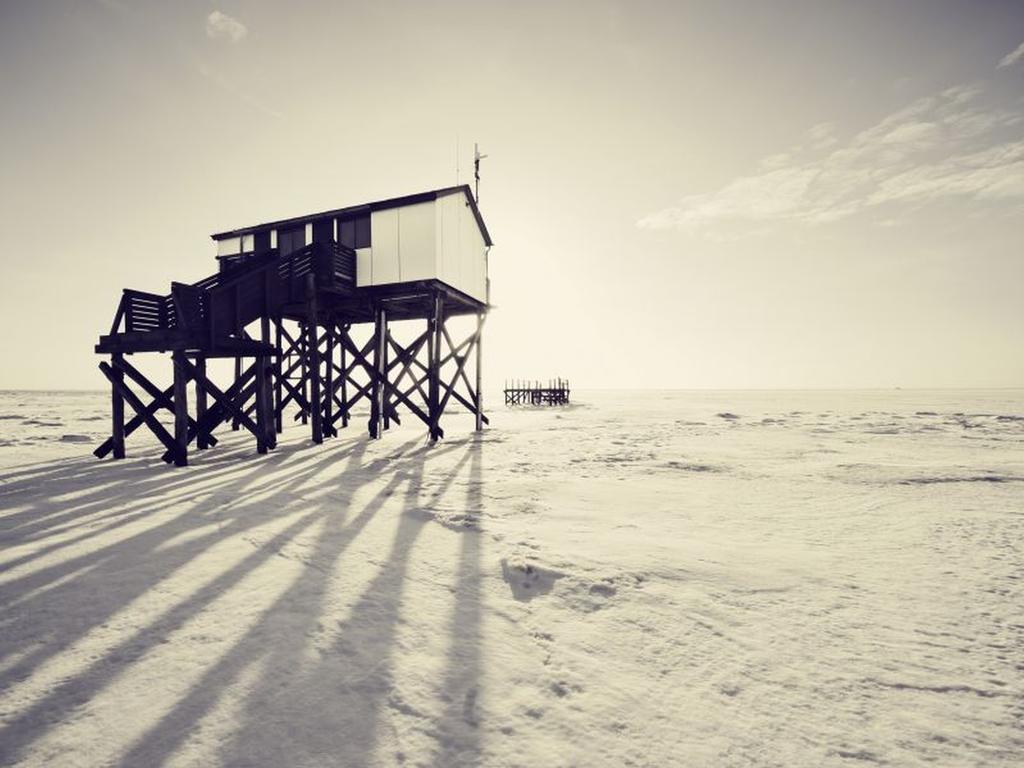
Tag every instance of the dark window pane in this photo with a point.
(363, 231)
(347, 232)
(262, 241)
(323, 230)
(291, 240)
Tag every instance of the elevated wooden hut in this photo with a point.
(284, 304)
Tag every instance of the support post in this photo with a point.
(267, 437)
(384, 367)
(117, 408)
(434, 372)
(316, 405)
(238, 375)
(302, 348)
(278, 369)
(329, 380)
(379, 373)
(479, 399)
(202, 439)
(344, 378)
(180, 409)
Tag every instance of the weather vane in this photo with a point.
(477, 157)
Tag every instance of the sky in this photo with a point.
(681, 194)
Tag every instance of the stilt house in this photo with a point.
(284, 303)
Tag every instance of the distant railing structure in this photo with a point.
(518, 392)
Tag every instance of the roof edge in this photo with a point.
(379, 205)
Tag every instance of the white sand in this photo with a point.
(828, 579)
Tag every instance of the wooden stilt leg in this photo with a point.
(479, 399)
(238, 375)
(180, 409)
(264, 373)
(434, 373)
(344, 381)
(202, 439)
(117, 408)
(316, 404)
(262, 427)
(278, 386)
(303, 337)
(329, 381)
(385, 366)
(377, 405)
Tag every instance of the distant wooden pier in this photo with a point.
(556, 392)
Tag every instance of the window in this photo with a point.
(354, 231)
(323, 230)
(291, 240)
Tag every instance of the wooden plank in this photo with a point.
(117, 432)
(132, 399)
(278, 366)
(344, 381)
(360, 358)
(313, 353)
(134, 423)
(164, 399)
(230, 405)
(328, 401)
(436, 325)
(202, 439)
(479, 399)
(379, 379)
(180, 410)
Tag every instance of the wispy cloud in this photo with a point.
(221, 26)
(940, 146)
(229, 87)
(1012, 57)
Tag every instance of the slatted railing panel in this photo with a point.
(189, 307)
(343, 264)
(144, 311)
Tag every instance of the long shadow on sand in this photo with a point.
(333, 708)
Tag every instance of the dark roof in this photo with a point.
(380, 205)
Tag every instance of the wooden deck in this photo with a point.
(317, 369)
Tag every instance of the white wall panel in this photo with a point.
(447, 234)
(417, 244)
(472, 257)
(229, 246)
(384, 234)
(438, 239)
(364, 266)
(461, 259)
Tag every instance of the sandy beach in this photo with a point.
(646, 579)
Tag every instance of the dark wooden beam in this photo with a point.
(379, 379)
(117, 431)
(478, 401)
(180, 409)
(436, 324)
(202, 440)
(132, 399)
(313, 354)
(278, 366)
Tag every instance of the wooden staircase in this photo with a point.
(210, 315)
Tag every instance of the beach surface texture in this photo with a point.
(638, 579)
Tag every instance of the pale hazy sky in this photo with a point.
(713, 194)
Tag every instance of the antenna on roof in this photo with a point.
(477, 157)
